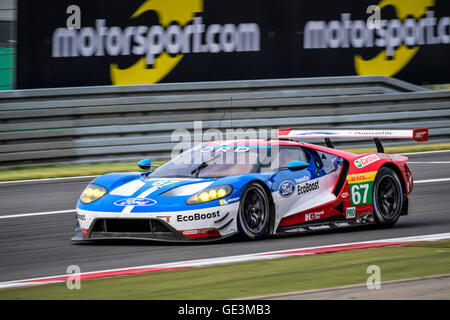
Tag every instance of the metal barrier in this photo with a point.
(127, 123)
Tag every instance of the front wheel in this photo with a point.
(387, 197)
(254, 209)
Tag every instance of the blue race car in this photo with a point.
(252, 187)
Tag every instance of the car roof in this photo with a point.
(264, 142)
(253, 142)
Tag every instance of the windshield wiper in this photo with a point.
(203, 165)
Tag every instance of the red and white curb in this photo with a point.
(224, 260)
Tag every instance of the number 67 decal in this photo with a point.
(361, 193)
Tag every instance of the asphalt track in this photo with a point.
(39, 245)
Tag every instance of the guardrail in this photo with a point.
(127, 123)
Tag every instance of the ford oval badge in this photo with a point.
(140, 202)
(286, 189)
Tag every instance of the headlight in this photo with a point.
(210, 194)
(92, 192)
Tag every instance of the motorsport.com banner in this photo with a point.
(151, 41)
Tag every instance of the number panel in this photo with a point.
(361, 187)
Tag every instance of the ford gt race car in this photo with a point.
(252, 187)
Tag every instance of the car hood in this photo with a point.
(148, 194)
(144, 194)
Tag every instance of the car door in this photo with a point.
(298, 193)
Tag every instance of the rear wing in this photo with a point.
(375, 134)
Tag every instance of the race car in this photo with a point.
(251, 187)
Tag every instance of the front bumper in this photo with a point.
(185, 226)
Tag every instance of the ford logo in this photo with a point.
(135, 202)
(286, 189)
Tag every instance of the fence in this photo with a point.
(127, 123)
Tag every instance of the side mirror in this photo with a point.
(296, 165)
(145, 164)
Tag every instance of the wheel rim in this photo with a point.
(254, 210)
(388, 199)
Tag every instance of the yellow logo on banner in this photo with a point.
(167, 10)
(380, 65)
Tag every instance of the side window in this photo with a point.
(329, 162)
(288, 154)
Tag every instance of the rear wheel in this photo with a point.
(387, 197)
(254, 211)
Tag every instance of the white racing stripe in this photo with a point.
(128, 209)
(128, 189)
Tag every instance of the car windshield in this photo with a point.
(211, 161)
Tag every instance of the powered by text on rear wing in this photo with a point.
(375, 134)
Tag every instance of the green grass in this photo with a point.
(102, 168)
(259, 277)
(442, 86)
(67, 171)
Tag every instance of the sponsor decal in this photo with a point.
(350, 213)
(223, 202)
(362, 177)
(296, 230)
(421, 134)
(307, 187)
(315, 133)
(366, 160)
(384, 156)
(415, 26)
(313, 215)
(227, 148)
(302, 179)
(373, 133)
(286, 189)
(198, 216)
(159, 47)
(159, 183)
(205, 231)
(81, 217)
(345, 195)
(138, 202)
(341, 224)
(321, 227)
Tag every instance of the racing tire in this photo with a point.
(254, 212)
(387, 197)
